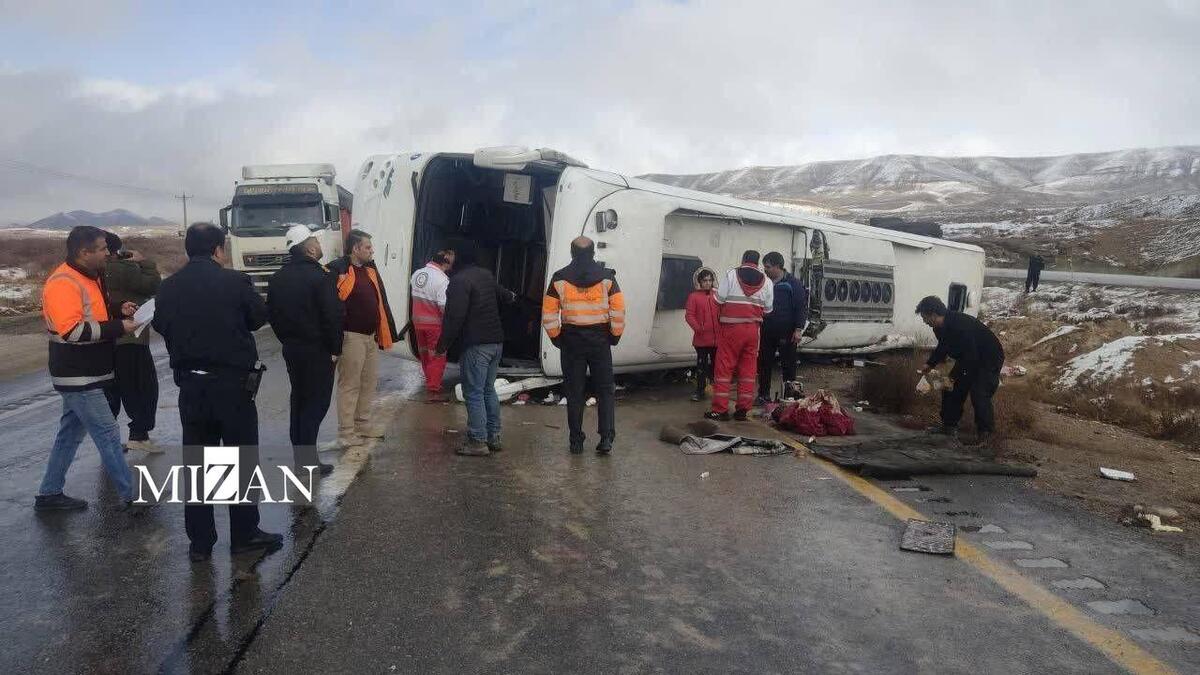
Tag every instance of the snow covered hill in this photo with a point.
(917, 182)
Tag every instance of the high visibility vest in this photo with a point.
(566, 304)
(79, 330)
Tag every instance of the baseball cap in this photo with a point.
(297, 234)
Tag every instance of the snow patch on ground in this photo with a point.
(1063, 330)
(14, 292)
(1113, 360)
(13, 274)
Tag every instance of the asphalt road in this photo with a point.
(537, 561)
(1176, 283)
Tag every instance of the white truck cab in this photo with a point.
(270, 196)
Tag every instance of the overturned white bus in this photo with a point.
(522, 208)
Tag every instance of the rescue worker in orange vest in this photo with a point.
(82, 328)
(369, 327)
(744, 296)
(429, 286)
(583, 312)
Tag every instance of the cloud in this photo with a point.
(634, 87)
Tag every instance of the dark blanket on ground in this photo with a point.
(917, 456)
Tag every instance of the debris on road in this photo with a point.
(914, 488)
(919, 455)
(1152, 517)
(590, 402)
(704, 475)
(817, 414)
(1116, 474)
(1014, 371)
(924, 536)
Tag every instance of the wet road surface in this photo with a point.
(537, 561)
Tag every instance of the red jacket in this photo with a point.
(701, 313)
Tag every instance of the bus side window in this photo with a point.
(957, 299)
(675, 281)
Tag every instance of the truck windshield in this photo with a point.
(268, 220)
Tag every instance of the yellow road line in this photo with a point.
(1118, 648)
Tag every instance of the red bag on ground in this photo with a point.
(818, 414)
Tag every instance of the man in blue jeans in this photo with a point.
(472, 321)
(81, 328)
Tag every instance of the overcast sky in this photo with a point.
(175, 95)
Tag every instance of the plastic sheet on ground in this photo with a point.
(915, 456)
(738, 445)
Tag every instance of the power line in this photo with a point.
(19, 165)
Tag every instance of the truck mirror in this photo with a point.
(225, 218)
(331, 216)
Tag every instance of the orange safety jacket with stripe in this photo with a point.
(570, 307)
(385, 336)
(81, 332)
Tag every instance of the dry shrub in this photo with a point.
(1177, 416)
(38, 256)
(1167, 328)
(892, 387)
(1091, 299)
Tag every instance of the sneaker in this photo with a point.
(577, 448)
(942, 430)
(604, 448)
(983, 440)
(146, 445)
(199, 554)
(473, 448)
(695, 397)
(720, 417)
(260, 540)
(58, 502)
(495, 445)
(132, 508)
(740, 415)
(322, 469)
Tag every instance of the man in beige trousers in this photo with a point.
(368, 328)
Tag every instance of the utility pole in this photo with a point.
(183, 198)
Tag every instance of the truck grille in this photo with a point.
(265, 259)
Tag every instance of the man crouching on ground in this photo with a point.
(978, 358)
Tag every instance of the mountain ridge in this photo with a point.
(65, 220)
(909, 182)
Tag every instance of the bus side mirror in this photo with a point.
(225, 218)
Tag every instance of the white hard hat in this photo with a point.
(297, 234)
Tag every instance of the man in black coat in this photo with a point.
(307, 316)
(783, 327)
(472, 321)
(1033, 276)
(978, 358)
(206, 315)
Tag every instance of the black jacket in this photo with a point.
(303, 306)
(473, 309)
(790, 310)
(972, 345)
(342, 266)
(206, 315)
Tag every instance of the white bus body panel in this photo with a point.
(654, 220)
